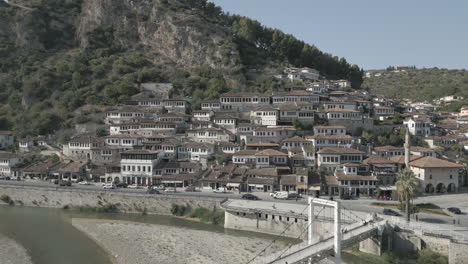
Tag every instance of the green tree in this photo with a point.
(406, 188)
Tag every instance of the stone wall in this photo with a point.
(127, 202)
(296, 227)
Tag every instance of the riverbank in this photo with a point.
(12, 252)
(139, 243)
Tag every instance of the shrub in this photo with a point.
(6, 199)
(180, 210)
(427, 256)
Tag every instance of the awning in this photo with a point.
(232, 185)
(171, 181)
(314, 188)
(387, 188)
(256, 185)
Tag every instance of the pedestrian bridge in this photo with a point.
(303, 252)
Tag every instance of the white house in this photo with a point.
(8, 161)
(436, 175)
(419, 126)
(137, 166)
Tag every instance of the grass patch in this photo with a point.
(428, 208)
(205, 215)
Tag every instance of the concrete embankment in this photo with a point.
(146, 243)
(12, 252)
(125, 202)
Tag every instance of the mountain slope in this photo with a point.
(419, 84)
(58, 55)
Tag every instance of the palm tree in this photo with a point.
(406, 188)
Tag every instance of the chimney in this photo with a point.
(407, 148)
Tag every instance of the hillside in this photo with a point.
(419, 84)
(59, 55)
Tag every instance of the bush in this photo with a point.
(427, 256)
(6, 199)
(180, 210)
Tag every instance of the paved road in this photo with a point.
(459, 200)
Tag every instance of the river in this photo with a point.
(49, 237)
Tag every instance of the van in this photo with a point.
(281, 195)
(221, 190)
(109, 185)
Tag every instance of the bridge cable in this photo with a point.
(276, 238)
(303, 231)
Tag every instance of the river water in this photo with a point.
(50, 238)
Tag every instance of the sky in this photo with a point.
(371, 33)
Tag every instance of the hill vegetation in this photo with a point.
(419, 84)
(60, 55)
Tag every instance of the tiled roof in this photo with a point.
(430, 162)
(270, 152)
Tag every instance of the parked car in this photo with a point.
(346, 197)
(221, 190)
(158, 187)
(74, 180)
(134, 186)
(190, 189)
(281, 195)
(249, 196)
(121, 185)
(153, 191)
(170, 190)
(454, 210)
(65, 183)
(109, 185)
(294, 196)
(273, 194)
(391, 212)
(84, 183)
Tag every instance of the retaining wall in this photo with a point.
(127, 202)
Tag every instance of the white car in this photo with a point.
(273, 194)
(109, 185)
(134, 186)
(221, 190)
(84, 183)
(170, 190)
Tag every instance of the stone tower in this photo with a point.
(407, 148)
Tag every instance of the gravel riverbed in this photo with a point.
(12, 252)
(139, 243)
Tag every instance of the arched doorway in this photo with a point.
(109, 179)
(117, 180)
(451, 187)
(440, 188)
(429, 188)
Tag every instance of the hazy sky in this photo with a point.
(371, 33)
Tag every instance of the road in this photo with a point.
(459, 200)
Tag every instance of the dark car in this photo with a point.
(391, 212)
(249, 196)
(65, 183)
(346, 197)
(152, 191)
(454, 210)
(121, 185)
(294, 196)
(191, 189)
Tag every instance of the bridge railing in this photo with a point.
(457, 233)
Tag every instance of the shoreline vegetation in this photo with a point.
(204, 215)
